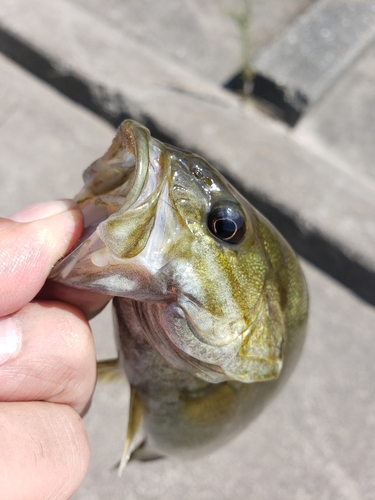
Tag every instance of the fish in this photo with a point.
(210, 302)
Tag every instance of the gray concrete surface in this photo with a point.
(202, 35)
(44, 140)
(316, 441)
(321, 198)
(309, 56)
(340, 126)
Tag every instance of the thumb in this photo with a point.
(30, 244)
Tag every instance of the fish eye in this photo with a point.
(227, 222)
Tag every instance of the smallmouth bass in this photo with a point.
(210, 301)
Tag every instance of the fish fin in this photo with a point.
(145, 453)
(109, 370)
(134, 421)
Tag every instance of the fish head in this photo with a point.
(218, 292)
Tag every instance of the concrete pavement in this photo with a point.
(44, 140)
(298, 67)
(316, 441)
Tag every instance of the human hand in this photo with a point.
(47, 358)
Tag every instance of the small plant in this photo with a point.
(242, 19)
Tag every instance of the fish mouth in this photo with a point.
(119, 202)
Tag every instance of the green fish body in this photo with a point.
(210, 301)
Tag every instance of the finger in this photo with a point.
(28, 250)
(55, 359)
(91, 303)
(44, 451)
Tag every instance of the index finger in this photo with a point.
(91, 303)
(28, 250)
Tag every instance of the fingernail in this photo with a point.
(10, 338)
(43, 210)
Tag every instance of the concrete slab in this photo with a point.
(341, 126)
(299, 66)
(44, 140)
(315, 442)
(200, 35)
(315, 202)
(270, 18)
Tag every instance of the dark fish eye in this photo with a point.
(226, 222)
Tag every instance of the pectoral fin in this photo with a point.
(109, 371)
(134, 422)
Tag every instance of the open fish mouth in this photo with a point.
(119, 202)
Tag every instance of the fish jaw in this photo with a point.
(123, 218)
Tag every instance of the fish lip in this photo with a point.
(84, 247)
(130, 148)
(127, 161)
(127, 230)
